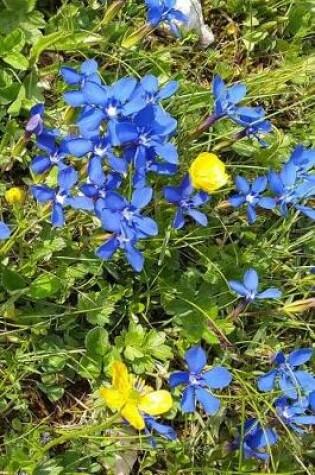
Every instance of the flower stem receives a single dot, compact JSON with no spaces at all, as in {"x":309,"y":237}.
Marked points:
{"x":206,"y":124}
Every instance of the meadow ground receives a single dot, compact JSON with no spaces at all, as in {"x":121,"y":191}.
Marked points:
{"x":66,"y":315}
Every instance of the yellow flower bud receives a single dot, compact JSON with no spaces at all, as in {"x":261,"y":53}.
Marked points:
{"x":15,"y":195}
{"x":207,"y":172}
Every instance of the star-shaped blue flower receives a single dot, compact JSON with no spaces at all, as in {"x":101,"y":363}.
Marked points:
{"x":249,"y":288}
{"x":286,"y":375}
{"x":186,"y":202}
{"x":257,"y":440}
{"x":250,"y":196}
{"x":294,"y":414}
{"x":160,"y":11}
{"x":199,"y":383}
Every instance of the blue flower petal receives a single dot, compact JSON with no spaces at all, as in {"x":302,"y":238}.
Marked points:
{"x":179,"y":219}
{"x":188,"y":402}
{"x":40,"y":164}
{"x":57,"y":216}
{"x":300,"y":356}
{"x":210,"y":403}
{"x":107,"y":250}
{"x":217,"y":378}
{"x":238,"y":287}
{"x":251,"y":280}
{"x":199,"y":217}
{"x":196,"y":359}
{"x":306,"y":380}
{"x":4,"y":230}
{"x":42,"y":193}
{"x":141,"y":197}
{"x":242,"y":185}
{"x":74,"y":98}
{"x":134,"y":257}
{"x":271,"y":293}
{"x":70,"y":76}
{"x":179,"y":378}
{"x":67,"y":178}
{"x":267,"y":381}
{"x":79,"y":147}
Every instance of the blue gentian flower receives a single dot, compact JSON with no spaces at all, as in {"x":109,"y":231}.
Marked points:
{"x":292,"y":381}
{"x":4,"y":231}
{"x":290,"y":190}
{"x":257,"y":440}
{"x":61,"y":196}
{"x":100,"y":147}
{"x":186,"y":203}
{"x":126,"y":240}
{"x":249,"y":288}
{"x":294,"y":414}
{"x":55,"y":154}
{"x":149,"y":130}
{"x":108,"y":103}
{"x":227,"y":100}
{"x":199,"y":383}
{"x":249,"y":195}
{"x":99,"y":184}
{"x":119,"y":214}
{"x":166,"y":431}
{"x":35,"y":123}
{"x":254,"y":127}
{"x":152,"y":93}
{"x":154,"y":166}
{"x":160,"y":11}
{"x":88,"y":72}
{"x":303,"y":159}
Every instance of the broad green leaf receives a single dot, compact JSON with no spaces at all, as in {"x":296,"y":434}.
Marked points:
{"x":12,"y":280}
{"x":44,"y":286}
{"x":16,"y":60}
{"x":96,"y":341}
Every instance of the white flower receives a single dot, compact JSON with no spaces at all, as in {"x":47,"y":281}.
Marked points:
{"x":193,"y":11}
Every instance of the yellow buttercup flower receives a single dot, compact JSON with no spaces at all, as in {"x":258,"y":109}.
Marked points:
{"x":208,"y":172}
{"x":15,"y":195}
{"x":131,"y":398}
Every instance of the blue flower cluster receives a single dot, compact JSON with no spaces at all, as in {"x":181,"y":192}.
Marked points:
{"x":120,"y":128}
{"x":165,"y":11}
{"x":292,"y":187}
{"x":295,"y":407}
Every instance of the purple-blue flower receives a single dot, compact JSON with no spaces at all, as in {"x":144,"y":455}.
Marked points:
{"x":35,"y":124}
{"x":160,"y":11}
{"x":292,"y":381}
{"x":186,"y":202}
{"x":294,"y":414}
{"x":249,"y":288}
{"x":250,"y":196}
{"x":199,"y":383}
{"x":256,"y":440}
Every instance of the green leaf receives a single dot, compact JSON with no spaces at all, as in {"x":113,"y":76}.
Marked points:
{"x":44,"y":286}
{"x":96,"y":341}
{"x":46,"y":43}
{"x":12,"y":280}
{"x":16,"y":60}
{"x":90,"y":366}
{"x":14,"y":41}
{"x":100,"y":305}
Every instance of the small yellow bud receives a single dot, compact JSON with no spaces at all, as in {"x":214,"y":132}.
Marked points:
{"x":15,"y":195}
{"x":208,"y":172}
{"x":299,"y":305}
{"x":232,"y":29}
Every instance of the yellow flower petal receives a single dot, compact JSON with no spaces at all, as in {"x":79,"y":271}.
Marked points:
{"x":208,"y":172}
{"x":131,"y":413}
{"x":114,"y":399}
{"x":122,"y":381}
{"x":15,"y":195}
{"x":156,"y":403}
